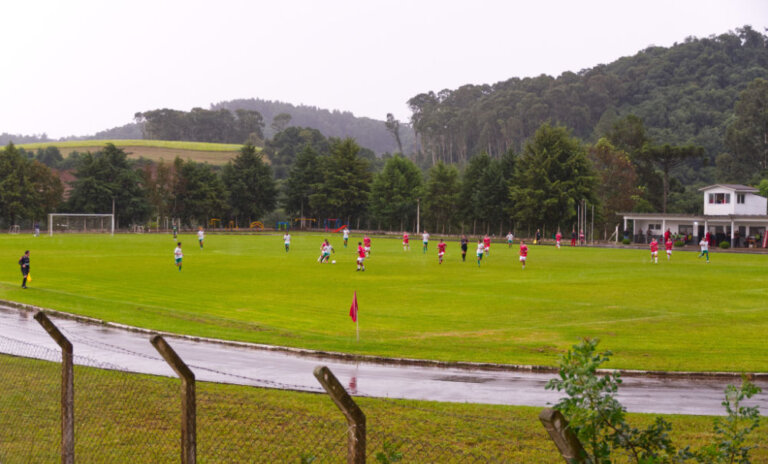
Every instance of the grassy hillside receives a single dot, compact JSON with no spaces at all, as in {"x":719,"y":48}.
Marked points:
{"x":679,"y":315}
{"x":212,"y":153}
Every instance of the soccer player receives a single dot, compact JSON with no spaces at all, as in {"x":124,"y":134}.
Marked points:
{"x":558,"y":237}
{"x":287,"y":241}
{"x":704,"y":244}
{"x":581,"y":238}
{"x":24,"y":263}
{"x":537,"y":240}
{"x":406,"y":243}
{"x":480,"y":251}
{"x":367,"y":244}
{"x":464,"y":243}
{"x":346,"y":236}
{"x":573,"y":237}
{"x":440,"y":251}
{"x":200,"y":237}
{"x":510,"y":239}
{"x":523,"y":253}
{"x":327,"y":249}
{"x":668,"y":245}
{"x":654,"y":251}
{"x":37,"y":229}
{"x":425,"y":240}
{"x":178,"y":255}
{"x":487,"y":244}
{"x":360,"y":256}
{"x":175,"y":231}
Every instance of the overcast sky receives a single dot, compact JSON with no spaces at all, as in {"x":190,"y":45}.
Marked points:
{"x":76,"y":67}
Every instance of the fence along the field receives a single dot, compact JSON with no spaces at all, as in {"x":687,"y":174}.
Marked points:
{"x":127,"y":417}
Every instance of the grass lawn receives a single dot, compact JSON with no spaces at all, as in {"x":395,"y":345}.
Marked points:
{"x":122,"y":417}
{"x":678,"y":315}
{"x":156,"y":150}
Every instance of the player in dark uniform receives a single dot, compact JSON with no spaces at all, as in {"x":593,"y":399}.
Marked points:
{"x":24,"y":263}
{"x":464,"y":242}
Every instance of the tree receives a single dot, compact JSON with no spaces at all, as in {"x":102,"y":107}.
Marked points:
{"x":469,"y":198}
{"x":304,"y":175}
{"x":747,"y":136}
{"x":106,"y":177}
{"x":280,"y":122}
{"x":158,"y":181}
{"x":553,"y":175}
{"x":198,"y":192}
{"x":343,"y":192}
{"x":394,"y":193}
{"x":441,"y":197}
{"x":668,"y":157}
{"x":617,"y":181}
{"x":393,"y":126}
{"x":28,"y":189}
{"x":252,"y":192}
{"x":629,"y":135}
{"x":282,"y":149}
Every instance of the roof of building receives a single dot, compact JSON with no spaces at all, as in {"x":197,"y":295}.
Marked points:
{"x":735,"y":187}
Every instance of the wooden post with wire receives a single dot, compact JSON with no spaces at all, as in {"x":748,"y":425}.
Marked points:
{"x":188,"y":401}
{"x":355,"y":416}
{"x":67,"y":388}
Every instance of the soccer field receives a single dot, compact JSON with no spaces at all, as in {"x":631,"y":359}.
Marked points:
{"x":678,"y":315}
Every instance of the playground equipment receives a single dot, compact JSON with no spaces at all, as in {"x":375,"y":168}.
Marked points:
{"x":14,"y":229}
{"x":332,"y":223}
{"x":282,"y":225}
{"x":256,"y":225}
{"x":232,"y":226}
{"x":214,"y":222}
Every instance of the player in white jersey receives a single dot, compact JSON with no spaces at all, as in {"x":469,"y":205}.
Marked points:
{"x":425,"y":241}
{"x":178,"y":255}
{"x":200,"y":236}
{"x":287,"y":241}
{"x":480,"y":251}
{"x":346,"y":236}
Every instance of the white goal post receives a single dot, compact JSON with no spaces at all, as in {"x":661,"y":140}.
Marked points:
{"x":93,"y":223}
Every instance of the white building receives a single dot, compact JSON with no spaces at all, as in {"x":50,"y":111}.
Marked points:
{"x":732,"y":212}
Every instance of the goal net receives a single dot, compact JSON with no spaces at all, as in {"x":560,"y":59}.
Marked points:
{"x":81,"y":223}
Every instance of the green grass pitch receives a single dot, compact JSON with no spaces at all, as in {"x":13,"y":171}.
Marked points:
{"x":678,"y":315}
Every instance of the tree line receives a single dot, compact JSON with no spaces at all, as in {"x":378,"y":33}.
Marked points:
{"x":540,"y":187}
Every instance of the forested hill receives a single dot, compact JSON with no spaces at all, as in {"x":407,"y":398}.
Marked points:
{"x":685,"y":94}
{"x":369,"y":133}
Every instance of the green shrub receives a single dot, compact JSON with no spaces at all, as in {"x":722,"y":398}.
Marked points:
{"x":599,"y":419}
{"x":725,"y":245}
{"x":626,"y":241}
{"x":679,"y":243}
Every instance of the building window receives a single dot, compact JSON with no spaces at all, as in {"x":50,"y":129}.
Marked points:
{"x":711,"y":198}
{"x":740,"y":198}
{"x":720,"y":198}
{"x":654,"y":226}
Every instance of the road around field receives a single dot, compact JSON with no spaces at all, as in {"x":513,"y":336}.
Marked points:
{"x":129,"y":350}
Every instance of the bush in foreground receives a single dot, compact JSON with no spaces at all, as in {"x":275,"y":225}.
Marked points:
{"x":599,"y":419}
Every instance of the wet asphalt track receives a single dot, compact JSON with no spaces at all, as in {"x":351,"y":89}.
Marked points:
{"x":131,"y":351}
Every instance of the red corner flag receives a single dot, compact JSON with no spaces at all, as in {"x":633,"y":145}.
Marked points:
{"x":353,"y":308}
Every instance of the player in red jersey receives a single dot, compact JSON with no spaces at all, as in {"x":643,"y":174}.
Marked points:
{"x":360,"y":256}
{"x":654,"y":251}
{"x":487,"y":245}
{"x":406,"y":242}
{"x":558,"y":237}
{"x":440,"y":251}
{"x":523,"y":253}
{"x":668,"y":245}
{"x":367,"y":243}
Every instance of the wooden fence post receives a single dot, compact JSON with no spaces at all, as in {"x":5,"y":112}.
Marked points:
{"x":566,"y":441}
{"x":355,"y":416}
{"x":67,"y":388}
{"x":188,"y":402}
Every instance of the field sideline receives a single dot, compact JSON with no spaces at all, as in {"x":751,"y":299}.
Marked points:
{"x":682,"y":315}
